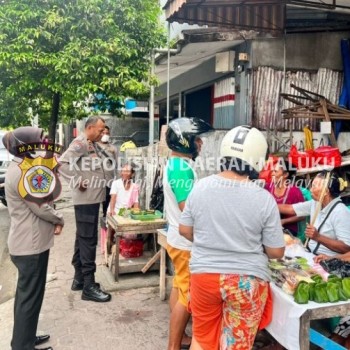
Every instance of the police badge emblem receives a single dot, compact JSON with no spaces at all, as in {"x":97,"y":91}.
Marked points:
{"x":39,"y":182}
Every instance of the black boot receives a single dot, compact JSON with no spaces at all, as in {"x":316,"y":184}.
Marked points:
{"x":77,"y":285}
{"x":41,"y":339}
{"x":78,"y":280}
{"x":94,"y":293}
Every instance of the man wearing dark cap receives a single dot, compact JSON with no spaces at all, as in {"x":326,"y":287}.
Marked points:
{"x":82,"y":165}
{"x":34,"y":222}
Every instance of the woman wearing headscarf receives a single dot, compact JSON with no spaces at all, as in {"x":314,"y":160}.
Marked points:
{"x":32,"y":229}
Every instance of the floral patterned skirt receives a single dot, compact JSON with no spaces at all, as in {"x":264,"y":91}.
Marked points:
{"x":226,"y":309}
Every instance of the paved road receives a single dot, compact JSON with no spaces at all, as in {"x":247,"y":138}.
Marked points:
{"x":134,"y":319}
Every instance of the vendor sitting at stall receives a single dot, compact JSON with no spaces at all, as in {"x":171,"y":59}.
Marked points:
{"x":331,"y":232}
{"x":284,"y":192}
{"x":124,"y":192}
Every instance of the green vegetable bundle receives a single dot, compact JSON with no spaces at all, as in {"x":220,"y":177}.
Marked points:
{"x":301,"y":294}
{"x":334,"y":290}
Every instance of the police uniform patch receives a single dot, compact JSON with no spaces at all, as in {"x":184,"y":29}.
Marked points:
{"x":39,"y":182}
{"x":77,"y":146}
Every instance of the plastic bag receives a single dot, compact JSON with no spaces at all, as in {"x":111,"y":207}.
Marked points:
{"x":346,"y":286}
{"x":266,"y":172}
{"x":301,"y":294}
{"x":328,"y":155}
{"x":321,"y":295}
{"x":332,"y":292}
{"x":301,"y":159}
{"x":336,"y":267}
{"x":312,"y":291}
{"x":131,"y":248}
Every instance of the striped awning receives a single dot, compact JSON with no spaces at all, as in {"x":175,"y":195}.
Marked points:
{"x":260,"y":15}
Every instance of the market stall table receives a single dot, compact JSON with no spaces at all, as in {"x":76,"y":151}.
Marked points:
{"x":162,"y":241}
{"x":123,"y":226}
{"x":290,"y":324}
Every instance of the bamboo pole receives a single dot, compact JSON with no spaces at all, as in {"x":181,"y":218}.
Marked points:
{"x":319,"y":204}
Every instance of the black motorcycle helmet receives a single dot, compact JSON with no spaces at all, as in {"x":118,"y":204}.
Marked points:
{"x":182,"y":133}
{"x":22,"y":136}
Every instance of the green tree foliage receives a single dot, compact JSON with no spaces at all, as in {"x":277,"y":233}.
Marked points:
{"x":56,"y":53}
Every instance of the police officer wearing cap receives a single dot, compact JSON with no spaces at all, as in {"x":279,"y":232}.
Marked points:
{"x":82,"y":165}
{"x":31,"y":236}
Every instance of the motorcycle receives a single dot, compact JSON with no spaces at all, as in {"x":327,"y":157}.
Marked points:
{"x":2,"y":189}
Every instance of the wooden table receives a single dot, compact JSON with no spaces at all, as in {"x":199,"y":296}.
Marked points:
{"x":290,"y":324}
{"x":123,"y":226}
{"x":162,"y":241}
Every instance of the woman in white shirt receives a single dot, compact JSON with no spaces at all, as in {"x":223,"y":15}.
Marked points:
{"x":124,"y":192}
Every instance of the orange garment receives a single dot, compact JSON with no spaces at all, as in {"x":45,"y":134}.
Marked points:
{"x":181,"y":281}
{"x":226,"y":309}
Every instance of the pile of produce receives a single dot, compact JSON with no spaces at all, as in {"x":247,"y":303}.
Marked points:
{"x":288,"y":272}
{"x":138,"y":211}
{"x":296,"y":277}
{"x":135,"y":211}
{"x":319,"y":291}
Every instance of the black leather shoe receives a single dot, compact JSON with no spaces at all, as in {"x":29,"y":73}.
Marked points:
{"x":41,"y":339}
{"x":76,"y":285}
{"x":48,"y":348}
{"x":94,"y":293}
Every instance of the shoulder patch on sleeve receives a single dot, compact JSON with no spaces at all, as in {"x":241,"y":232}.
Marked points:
{"x":78,"y":145}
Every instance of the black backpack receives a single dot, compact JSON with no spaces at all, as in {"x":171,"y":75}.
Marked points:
{"x":157,"y":196}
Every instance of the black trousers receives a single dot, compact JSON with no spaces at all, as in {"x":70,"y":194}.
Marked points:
{"x":86,"y":218}
{"x":32,"y":270}
{"x":105,"y":204}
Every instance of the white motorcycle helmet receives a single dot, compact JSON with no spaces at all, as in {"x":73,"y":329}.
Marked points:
{"x":247,"y":144}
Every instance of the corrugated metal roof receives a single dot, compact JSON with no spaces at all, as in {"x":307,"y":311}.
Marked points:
{"x":272,"y":16}
{"x":263,"y":15}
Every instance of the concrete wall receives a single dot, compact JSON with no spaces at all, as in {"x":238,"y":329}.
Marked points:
{"x":200,"y":76}
{"x":121,"y":127}
{"x":303,"y":51}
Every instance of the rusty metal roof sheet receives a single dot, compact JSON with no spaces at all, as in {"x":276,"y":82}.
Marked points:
{"x":262,"y":15}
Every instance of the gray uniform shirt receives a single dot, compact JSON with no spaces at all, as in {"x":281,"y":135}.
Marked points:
{"x":232,"y":221}
{"x":82,"y":161}
{"x":109,"y":154}
{"x":32,"y":227}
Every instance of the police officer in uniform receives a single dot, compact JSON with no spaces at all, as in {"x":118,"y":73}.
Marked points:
{"x":31,"y":236}
{"x":82,"y":165}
